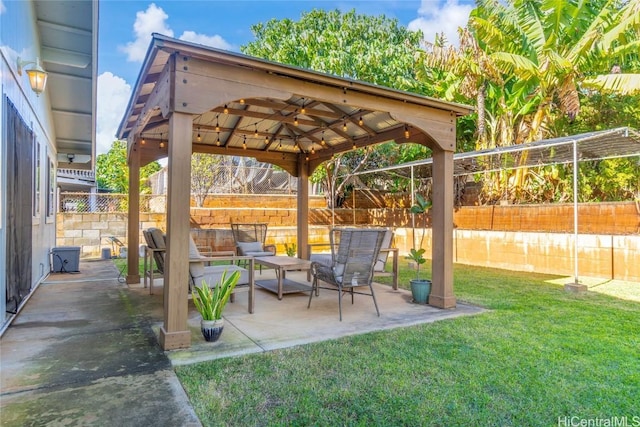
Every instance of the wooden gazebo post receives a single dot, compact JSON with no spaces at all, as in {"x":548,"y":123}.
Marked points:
{"x":133,"y":235}
{"x":303,"y":208}
{"x":174,"y":332}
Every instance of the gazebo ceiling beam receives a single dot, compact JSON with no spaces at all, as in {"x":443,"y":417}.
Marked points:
{"x":264,"y":116}
{"x":286,"y":160}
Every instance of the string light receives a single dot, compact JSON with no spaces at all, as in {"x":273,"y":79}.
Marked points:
{"x":218,"y":140}
{"x":406,"y":132}
{"x":256,"y":132}
{"x":242,"y":101}
{"x":344,"y":126}
{"x":303,"y":110}
{"x":199,"y":138}
{"x":323,"y":141}
{"x":295,"y":121}
{"x":244,"y":143}
{"x":360,"y":122}
{"x":161,"y":142}
{"x":266,"y":140}
{"x":217,"y":125}
{"x":313,"y":150}
{"x":355,"y":146}
{"x":143,"y":141}
{"x":226,"y":109}
{"x":307,"y":158}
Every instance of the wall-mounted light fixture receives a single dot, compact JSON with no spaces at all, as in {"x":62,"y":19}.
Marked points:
{"x":37,"y":75}
{"x":70,"y":157}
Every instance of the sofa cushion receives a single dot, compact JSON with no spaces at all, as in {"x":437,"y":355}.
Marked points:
{"x":247,"y":247}
{"x":212,"y":275}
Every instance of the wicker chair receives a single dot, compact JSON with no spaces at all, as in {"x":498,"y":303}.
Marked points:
{"x":353,"y":263}
{"x":380,"y":269}
{"x":249,"y":240}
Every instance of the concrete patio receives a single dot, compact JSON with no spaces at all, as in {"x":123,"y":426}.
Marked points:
{"x":84,"y":350}
{"x":286,"y":323}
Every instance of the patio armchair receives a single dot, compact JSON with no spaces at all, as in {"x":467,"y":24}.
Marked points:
{"x":202,"y":273}
{"x":354,"y":255}
{"x":199,"y":273}
{"x":154,"y":254}
{"x":380,"y":268}
{"x":250,"y":240}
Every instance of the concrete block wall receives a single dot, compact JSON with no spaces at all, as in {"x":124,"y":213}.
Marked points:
{"x":90,"y":231}
{"x":601,"y":256}
{"x":528,"y":238}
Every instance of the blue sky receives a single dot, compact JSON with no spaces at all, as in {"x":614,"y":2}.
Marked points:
{"x":126,"y":27}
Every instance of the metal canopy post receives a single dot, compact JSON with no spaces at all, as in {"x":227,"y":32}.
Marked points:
{"x":575,"y":286}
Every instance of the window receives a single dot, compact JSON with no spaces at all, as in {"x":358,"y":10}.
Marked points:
{"x":36,"y":178}
{"x":51,"y":186}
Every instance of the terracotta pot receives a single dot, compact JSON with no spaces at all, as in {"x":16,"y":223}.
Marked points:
{"x":211,"y":329}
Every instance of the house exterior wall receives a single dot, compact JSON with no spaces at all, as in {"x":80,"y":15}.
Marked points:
{"x":18,"y":37}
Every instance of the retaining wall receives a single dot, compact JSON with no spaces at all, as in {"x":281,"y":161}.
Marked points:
{"x":527,"y":238}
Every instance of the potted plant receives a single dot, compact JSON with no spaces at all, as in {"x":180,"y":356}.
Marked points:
{"x":291,"y":249}
{"x":210,"y":303}
{"x":420,"y":288}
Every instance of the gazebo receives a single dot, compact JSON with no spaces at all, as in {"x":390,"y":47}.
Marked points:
{"x":192,"y":98}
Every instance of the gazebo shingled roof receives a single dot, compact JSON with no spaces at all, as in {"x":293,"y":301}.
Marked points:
{"x":192,"y":98}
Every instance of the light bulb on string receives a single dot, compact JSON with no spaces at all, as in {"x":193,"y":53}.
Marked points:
{"x":226,"y":109}
{"x":406,"y":132}
{"x":242,"y":101}
{"x":303,"y":110}
{"x":244,"y":143}
{"x":161,"y":142}
{"x":143,"y":141}
{"x":256,"y":131}
{"x":218,"y":140}
{"x":360,"y":121}
{"x":322,"y":141}
{"x":266,"y":140}
{"x":295,"y":121}
{"x":199,"y":138}
{"x":217,"y":125}
{"x":344,"y":126}
{"x":313,"y":150}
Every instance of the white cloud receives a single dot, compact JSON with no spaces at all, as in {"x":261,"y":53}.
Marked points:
{"x":154,"y":20}
{"x":113,"y":96}
{"x":3,"y":9}
{"x":446,"y":18}
{"x":150,"y":21}
{"x":213,"y":41}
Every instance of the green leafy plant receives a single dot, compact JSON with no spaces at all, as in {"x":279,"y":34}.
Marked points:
{"x":291,"y":249}
{"x":420,"y":209}
{"x":210,"y":302}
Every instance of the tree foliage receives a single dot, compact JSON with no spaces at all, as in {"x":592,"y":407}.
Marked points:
{"x":526,"y":62}
{"x":373,"y":49}
{"x":544,"y":68}
{"x":112,"y":171}
{"x":203,"y":175}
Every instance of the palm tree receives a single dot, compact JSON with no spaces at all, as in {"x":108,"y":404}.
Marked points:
{"x":551,"y":48}
{"x":527,"y":61}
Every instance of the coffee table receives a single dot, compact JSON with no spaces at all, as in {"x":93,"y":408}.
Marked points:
{"x":281,"y":264}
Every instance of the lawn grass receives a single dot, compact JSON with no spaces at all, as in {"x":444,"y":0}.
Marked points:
{"x":538,"y":354}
